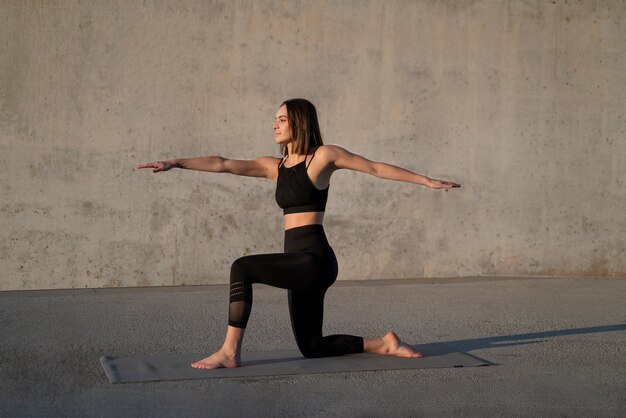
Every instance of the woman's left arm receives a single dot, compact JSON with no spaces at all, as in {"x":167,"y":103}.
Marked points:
{"x":341,"y":158}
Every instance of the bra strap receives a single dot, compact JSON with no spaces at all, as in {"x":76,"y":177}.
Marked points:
{"x":282,"y":161}
{"x":307,"y":166}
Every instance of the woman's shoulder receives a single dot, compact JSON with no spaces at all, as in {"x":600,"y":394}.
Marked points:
{"x":268,"y":166}
{"x":330,"y":152}
{"x":269,"y":163}
{"x":329,"y":149}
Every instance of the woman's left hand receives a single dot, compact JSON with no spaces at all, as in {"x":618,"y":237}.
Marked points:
{"x":441,"y":184}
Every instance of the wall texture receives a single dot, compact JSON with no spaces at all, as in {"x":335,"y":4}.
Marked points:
{"x":523,"y":102}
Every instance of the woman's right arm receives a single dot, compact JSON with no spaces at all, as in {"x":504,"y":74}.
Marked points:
{"x":259,"y":167}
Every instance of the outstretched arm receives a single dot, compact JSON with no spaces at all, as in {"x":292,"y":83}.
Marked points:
{"x":344,"y":159}
{"x":259,"y":167}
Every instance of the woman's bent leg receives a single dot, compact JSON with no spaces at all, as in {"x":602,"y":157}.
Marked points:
{"x":280,"y":270}
{"x":297,"y":271}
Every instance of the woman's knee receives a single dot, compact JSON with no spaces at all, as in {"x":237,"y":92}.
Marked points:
{"x":314,"y":348}
{"x":238,"y":270}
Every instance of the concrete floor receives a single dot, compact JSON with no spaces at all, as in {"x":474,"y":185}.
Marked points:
{"x":559,"y":345}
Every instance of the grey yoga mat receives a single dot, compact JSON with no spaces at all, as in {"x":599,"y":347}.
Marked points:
{"x":274,"y":363}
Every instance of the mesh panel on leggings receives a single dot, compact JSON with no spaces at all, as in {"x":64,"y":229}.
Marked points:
{"x":240,"y":304}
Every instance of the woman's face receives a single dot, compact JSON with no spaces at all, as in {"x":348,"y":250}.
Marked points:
{"x":282,"y":131}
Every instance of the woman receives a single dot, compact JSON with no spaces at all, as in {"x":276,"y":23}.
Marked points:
{"x":308,"y":266}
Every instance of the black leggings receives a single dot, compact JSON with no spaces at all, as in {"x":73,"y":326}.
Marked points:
{"x":307,"y":268}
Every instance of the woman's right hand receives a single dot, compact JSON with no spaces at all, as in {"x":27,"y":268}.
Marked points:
{"x":441,"y":184}
{"x":161,"y":165}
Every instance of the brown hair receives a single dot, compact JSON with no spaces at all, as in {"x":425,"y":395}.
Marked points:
{"x":305,"y":129}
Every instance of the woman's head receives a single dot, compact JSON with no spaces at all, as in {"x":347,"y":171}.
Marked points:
{"x":296,"y":121}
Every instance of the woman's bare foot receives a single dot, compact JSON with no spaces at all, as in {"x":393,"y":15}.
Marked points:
{"x":391,"y":345}
{"x":218,"y":360}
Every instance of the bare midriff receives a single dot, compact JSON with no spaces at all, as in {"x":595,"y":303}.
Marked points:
{"x":294,"y":220}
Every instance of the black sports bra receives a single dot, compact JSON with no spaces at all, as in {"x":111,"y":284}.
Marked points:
{"x":295,"y":192}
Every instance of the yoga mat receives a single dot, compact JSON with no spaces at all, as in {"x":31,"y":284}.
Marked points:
{"x":275,"y":363}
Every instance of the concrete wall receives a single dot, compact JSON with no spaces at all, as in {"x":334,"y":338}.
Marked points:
{"x":523,"y":102}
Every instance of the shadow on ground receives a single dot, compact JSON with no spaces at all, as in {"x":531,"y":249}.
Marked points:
{"x":521,"y":339}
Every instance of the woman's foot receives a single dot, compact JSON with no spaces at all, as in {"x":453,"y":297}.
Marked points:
{"x":218,"y":360}
{"x":391,"y":345}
